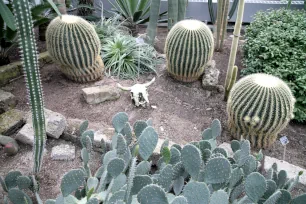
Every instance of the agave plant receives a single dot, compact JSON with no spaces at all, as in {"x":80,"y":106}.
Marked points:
{"x":125,"y":58}
{"x":133,"y":11}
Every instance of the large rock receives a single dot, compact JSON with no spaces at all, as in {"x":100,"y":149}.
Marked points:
{"x":63,"y":152}
{"x":98,"y":136}
{"x":99,"y":94}
{"x":56,"y":124}
{"x":71,"y":132}
{"x":11,"y":121}
{"x":10,"y":145}
{"x":7,"y":101}
{"x":211,"y":77}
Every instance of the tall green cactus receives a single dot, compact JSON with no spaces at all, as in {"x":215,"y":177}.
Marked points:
{"x":176,"y":11}
{"x":259,"y":107}
{"x":29,"y":55}
{"x":154,"y":15}
{"x":231,"y":73}
{"x":189,"y":46}
{"x":222,"y":14}
{"x":74,"y":43}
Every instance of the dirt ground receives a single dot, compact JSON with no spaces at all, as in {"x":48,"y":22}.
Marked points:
{"x":182,"y":112}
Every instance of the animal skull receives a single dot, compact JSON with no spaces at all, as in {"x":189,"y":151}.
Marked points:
{"x":139,"y":93}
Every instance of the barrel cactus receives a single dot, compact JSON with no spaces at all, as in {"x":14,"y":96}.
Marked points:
{"x":73,"y":42}
{"x":189,"y":46}
{"x":259,"y":107}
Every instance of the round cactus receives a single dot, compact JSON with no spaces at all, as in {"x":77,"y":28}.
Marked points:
{"x":189,"y":46}
{"x":259,"y":107}
{"x":73,"y":42}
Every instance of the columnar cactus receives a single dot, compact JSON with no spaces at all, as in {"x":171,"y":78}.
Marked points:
{"x":259,"y":107}
{"x":73,"y":42}
{"x":189,"y":46}
{"x":29,"y":55}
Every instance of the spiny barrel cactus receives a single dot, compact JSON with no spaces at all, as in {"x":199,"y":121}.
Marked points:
{"x":73,"y":42}
{"x":259,"y":107}
{"x":189,"y":46}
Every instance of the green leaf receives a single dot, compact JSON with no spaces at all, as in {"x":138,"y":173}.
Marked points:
{"x":54,"y":7}
{"x":166,"y":155}
{"x":7,"y":16}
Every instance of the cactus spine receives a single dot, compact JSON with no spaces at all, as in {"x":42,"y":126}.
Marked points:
{"x":231,"y":71}
{"x":176,"y":11}
{"x":30,"y":64}
{"x":189,"y":46}
{"x":259,"y":107}
{"x":73,"y":43}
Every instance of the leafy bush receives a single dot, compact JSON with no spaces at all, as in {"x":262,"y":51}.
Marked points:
{"x":276,"y":44}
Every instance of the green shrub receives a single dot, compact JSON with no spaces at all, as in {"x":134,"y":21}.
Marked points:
{"x":276,"y":44}
{"x":127,"y":59}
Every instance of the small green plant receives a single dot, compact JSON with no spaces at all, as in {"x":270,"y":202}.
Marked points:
{"x":189,"y":46}
{"x":125,"y":58}
{"x":275,"y":44}
{"x":258,"y":108}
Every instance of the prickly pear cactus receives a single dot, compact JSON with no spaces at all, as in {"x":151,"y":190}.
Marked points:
{"x":74,"y":43}
{"x":189,"y":46}
{"x":258,"y":108}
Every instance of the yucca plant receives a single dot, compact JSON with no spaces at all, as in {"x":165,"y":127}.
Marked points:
{"x":134,"y":11}
{"x":125,"y":58}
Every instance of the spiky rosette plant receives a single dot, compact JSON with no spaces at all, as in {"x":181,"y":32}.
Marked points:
{"x":259,"y":107}
{"x":73,"y":42}
{"x":189,"y":46}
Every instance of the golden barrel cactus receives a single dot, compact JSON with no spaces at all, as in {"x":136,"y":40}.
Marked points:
{"x":258,"y":108}
{"x":74,"y":43}
{"x":189,"y":46}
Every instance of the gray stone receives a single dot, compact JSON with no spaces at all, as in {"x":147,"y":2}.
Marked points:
{"x":211,"y":77}
{"x":99,"y":94}
{"x":26,"y":134}
{"x":98,"y":136}
{"x":63,"y":152}
{"x":292,"y":170}
{"x":11,"y":121}
{"x":10,"y":145}
{"x":56,"y":123}
{"x":71,"y":132}
{"x":7,"y":101}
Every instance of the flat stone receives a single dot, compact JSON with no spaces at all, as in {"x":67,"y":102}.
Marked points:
{"x":56,"y":123}
{"x":99,"y":94}
{"x":292,"y":170}
{"x":11,"y":121}
{"x":63,"y":152}
{"x":7,"y":101}
{"x":26,"y":134}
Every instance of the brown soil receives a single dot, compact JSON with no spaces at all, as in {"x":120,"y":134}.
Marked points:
{"x":183,"y":112}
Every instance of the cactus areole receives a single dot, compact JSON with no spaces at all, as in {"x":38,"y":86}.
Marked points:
{"x":73,"y":43}
{"x":189,"y":46}
{"x":259,"y":107}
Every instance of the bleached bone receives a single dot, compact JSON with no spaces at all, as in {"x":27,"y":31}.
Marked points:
{"x":139,"y":93}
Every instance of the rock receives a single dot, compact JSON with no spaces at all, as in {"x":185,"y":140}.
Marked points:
{"x":71,"y":132}
{"x":7,"y":101}
{"x":26,"y":134}
{"x":10,"y":145}
{"x":98,"y":136}
{"x":56,"y":123}
{"x":211,"y":77}
{"x":11,"y":121}
{"x":63,"y":152}
{"x":99,"y":94}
